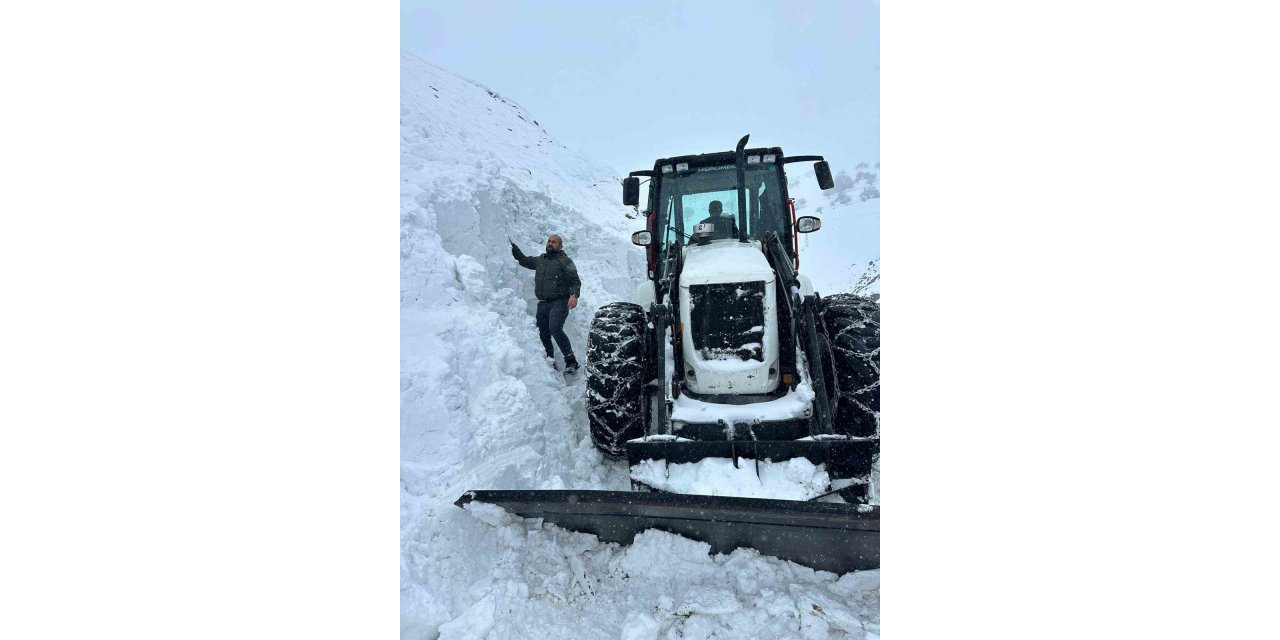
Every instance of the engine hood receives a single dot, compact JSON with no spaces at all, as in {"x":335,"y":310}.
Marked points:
{"x":725,"y":261}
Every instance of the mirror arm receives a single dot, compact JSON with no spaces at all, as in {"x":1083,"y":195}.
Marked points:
{"x":801,"y":159}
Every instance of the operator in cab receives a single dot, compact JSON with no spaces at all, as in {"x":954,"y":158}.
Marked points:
{"x":726,"y":226}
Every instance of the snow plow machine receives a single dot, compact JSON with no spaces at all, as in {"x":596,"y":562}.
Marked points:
{"x":727,"y":352}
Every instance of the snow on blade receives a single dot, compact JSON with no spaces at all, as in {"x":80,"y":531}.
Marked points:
{"x":795,"y":479}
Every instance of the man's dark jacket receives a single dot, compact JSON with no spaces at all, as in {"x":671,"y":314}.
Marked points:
{"x":554,"y":274}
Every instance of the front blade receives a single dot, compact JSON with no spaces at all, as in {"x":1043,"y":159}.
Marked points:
{"x":822,"y":535}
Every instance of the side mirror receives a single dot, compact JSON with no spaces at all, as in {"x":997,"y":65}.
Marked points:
{"x":631,"y":191}
{"x":641,"y":238}
{"x":823,"y":171}
{"x":808,"y":224}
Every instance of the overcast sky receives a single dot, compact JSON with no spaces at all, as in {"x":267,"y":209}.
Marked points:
{"x":627,"y":83}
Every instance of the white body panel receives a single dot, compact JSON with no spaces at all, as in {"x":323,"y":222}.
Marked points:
{"x":721,"y":262}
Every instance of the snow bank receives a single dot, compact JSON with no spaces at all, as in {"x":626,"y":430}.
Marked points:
{"x":795,"y":479}
{"x":480,"y":408}
{"x":551,"y":583}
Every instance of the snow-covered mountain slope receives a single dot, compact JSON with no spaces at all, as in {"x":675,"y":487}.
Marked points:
{"x":835,"y":256}
{"x":480,"y":408}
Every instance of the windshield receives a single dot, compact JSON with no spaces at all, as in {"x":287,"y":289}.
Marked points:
{"x":689,"y":198}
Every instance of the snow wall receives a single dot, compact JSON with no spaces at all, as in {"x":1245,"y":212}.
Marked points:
{"x":480,"y":408}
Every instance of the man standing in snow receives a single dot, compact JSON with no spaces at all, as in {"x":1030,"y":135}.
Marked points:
{"x":556,"y":284}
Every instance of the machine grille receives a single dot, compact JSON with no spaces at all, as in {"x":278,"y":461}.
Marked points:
{"x":728,"y":320}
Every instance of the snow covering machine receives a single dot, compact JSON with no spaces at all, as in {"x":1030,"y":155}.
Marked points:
{"x":728,"y":352}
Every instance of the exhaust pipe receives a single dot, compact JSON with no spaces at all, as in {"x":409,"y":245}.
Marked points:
{"x":742,"y":188}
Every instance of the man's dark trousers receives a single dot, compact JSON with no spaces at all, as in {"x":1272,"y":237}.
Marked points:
{"x":551,"y":317}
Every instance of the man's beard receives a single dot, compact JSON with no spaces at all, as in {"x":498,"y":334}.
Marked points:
{"x":550,"y":249}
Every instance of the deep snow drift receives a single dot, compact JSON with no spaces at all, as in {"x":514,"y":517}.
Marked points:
{"x":480,"y":408}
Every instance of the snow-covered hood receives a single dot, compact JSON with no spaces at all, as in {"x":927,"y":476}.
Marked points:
{"x":725,"y":261}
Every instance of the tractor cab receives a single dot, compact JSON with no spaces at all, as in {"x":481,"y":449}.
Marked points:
{"x":700,"y":203}
{"x":727,"y":196}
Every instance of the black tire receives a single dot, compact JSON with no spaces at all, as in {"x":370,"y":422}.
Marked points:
{"x":615,"y":376}
{"x":852,"y":323}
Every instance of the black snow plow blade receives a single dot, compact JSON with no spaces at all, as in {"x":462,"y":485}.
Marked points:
{"x":823,"y":535}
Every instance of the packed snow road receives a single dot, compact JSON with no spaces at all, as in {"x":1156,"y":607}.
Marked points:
{"x":480,"y":407}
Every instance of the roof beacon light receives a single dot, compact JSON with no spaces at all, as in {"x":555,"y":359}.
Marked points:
{"x":753,"y":159}
{"x":683,"y":166}
{"x":772,"y":157}
{"x":666,"y":168}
